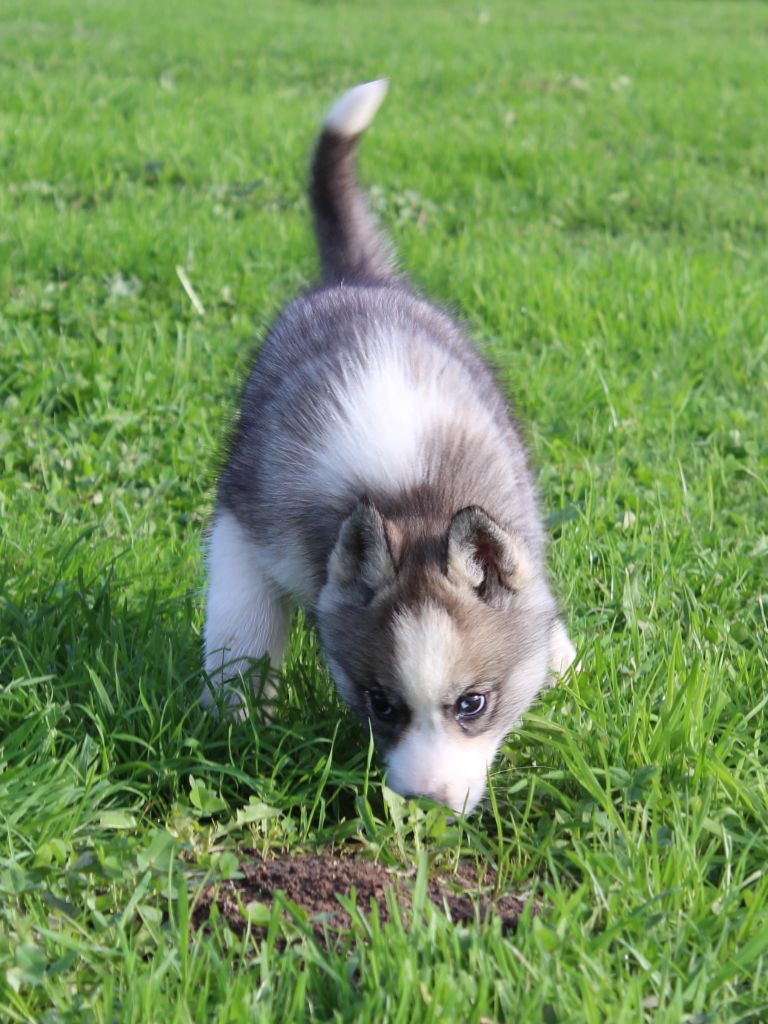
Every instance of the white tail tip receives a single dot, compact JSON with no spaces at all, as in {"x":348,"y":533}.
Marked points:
{"x":354,"y":111}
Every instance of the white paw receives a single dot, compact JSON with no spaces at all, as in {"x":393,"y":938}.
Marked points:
{"x":562,"y":653}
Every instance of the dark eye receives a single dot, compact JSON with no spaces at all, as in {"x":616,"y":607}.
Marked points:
{"x":470,"y":705}
{"x":381,"y":705}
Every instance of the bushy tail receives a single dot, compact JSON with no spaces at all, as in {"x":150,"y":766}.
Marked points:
{"x":351,"y":248}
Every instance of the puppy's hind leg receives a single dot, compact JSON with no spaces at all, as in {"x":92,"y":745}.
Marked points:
{"x":246,"y":617}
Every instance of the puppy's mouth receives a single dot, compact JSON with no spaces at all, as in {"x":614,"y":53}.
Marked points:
{"x":443,"y":796}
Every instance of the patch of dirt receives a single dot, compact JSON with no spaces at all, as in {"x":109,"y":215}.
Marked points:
{"x":314,"y":882}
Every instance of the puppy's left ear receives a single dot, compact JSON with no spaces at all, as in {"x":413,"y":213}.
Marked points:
{"x":490,"y":559}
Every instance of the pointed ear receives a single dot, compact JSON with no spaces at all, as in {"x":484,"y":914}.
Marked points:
{"x":362,"y":553}
{"x":487,"y":557}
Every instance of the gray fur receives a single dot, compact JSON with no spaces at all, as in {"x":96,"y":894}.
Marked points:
{"x":351,"y":248}
{"x":297,"y":383}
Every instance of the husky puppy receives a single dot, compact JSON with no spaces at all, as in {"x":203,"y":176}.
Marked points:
{"x":376,"y":479}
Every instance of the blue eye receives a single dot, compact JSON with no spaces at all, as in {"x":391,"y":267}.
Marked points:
{"x":470,"y":705}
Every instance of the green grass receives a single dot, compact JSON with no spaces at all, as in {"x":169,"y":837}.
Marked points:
{"x":585,"y":182}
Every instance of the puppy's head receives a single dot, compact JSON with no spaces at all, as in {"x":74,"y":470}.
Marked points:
{"x":440,"y":638}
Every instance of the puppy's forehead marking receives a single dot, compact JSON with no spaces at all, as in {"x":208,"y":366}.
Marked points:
{"x":425,"y":647}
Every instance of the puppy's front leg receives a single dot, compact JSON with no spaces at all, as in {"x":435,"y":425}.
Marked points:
{"x":246,"y":617}
{"x":562,"y":653}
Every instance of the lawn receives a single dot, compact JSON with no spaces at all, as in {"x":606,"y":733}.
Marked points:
{"x":583,"y":182}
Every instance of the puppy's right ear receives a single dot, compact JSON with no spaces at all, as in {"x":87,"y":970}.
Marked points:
{"x":362,"y":554}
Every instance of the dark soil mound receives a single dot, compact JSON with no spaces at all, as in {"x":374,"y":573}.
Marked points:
{"x":314,"y":882}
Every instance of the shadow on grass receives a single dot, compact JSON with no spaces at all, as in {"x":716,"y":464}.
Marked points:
{"x":115,"y":665}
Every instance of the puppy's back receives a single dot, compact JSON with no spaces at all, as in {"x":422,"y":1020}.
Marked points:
{"x":362,"y":388}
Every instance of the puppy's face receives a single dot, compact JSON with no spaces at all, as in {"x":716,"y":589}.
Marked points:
{"x":440,"y":641}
